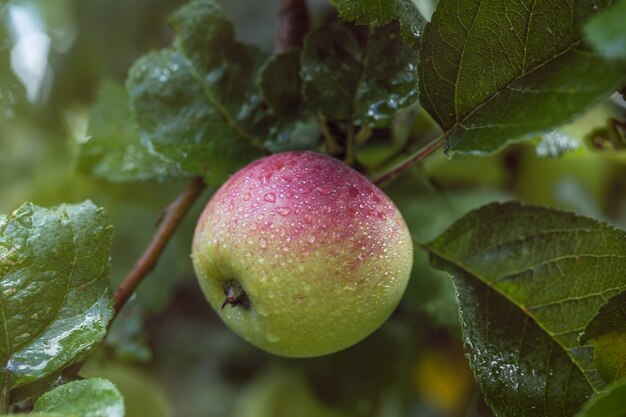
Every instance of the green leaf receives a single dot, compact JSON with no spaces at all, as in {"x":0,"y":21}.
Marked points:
{"x":11,"y":91}
{"x":359,"y":75}
{"x":606,"y":32}
{"x":54,"y":272}
{"x":30,"y":392}
{"x":40,"y":415}
{"x":197,"y":104}
{"x":380,"y":13}
{"x":280,"y":83}
{"x":497,"y":72}
{"x":611,"y":403}
{"x":94,"y":397}
{"x":529,"y":279}
{"x":610,"y":318}
{"x":113,"y":150}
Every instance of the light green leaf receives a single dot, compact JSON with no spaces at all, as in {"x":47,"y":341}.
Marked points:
{"x":495,"y":72}
{"x":358,"y":74}
{"x":606,"y":32}
{"x":611,"y":403}
{"x":529,"y":279}
{"x":113,"y":150}
{"x":197,"y":104}
{"x":94,"y":397}
{"x":54,"y":296}
{"x":380,"y":13}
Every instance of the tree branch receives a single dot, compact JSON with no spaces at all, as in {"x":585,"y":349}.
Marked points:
{"x":293,"y":24}
{"x":410,"y":161}
{"x":172,"y":217}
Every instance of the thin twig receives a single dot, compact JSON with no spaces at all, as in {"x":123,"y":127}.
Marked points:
{"x":5,"y":395}
{"x":293,"y":24}
{"x":350,"y":145}
{"x":410,"y":161}
{"x":332,"y":147}
{"x":174,"y":214}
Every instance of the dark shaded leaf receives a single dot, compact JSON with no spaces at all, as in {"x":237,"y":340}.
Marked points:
{"x":495,"y":72}
{"x":197,"y":104}
{"x":113,"y":150}
{"x":358,"y":75}
{"x":280,"y":83}
{"x":54,"y":271}
{"x":529,"y":279}
{"x":606,"y":32}
{"x":94,"y":397}
{"x":610,"y":318}
{"x":380,"y":13}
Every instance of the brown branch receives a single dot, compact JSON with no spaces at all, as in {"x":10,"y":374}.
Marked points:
{"x":172,"y":217}
{"x":410,"y":161}
{"x":293,"y":24}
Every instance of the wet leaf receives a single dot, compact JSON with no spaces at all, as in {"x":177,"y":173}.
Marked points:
{"x":94,"y":397}
{"x":529,"y":279}
{"x":113,"y":150}
{"x":54,"y":272}
{"x":280,"y":83}
{"x":610,"y":318}
{"x":611,"y":403}
{"x":197,"y":103}
{"x":380,"y":13}
{"x":606,"y":32}
{"x":495,"y":73}
{"x":358,"y":75}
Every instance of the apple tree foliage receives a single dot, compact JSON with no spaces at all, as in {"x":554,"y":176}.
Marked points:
{"x":541,"y":293}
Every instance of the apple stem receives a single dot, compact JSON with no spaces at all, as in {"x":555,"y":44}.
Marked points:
{"x":171,"y":219}
{"x":411,"y":160}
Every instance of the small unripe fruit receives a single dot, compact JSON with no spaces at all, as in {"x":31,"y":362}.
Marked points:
{"x":609,"y":356}
{"x":301,"y":255}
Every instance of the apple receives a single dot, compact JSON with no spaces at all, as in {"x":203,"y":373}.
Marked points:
{"x":301,"y":255}
{"x":609,"y":355}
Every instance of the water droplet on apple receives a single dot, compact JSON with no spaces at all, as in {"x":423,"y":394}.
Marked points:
{"x":254,"y":226}
{"x":270,"y":197}
{"x":246,"y":196}
{"x":308,"y":219}
{"x":350,"y":287}
{"x":283,"y":211}
{"x":353,"y":192}
{"x":262,"y":243}
{"x":323,"y":189}
{"x":310,"y":239}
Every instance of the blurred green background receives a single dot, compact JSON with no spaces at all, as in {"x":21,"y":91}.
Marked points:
{"x":168,"y":353}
